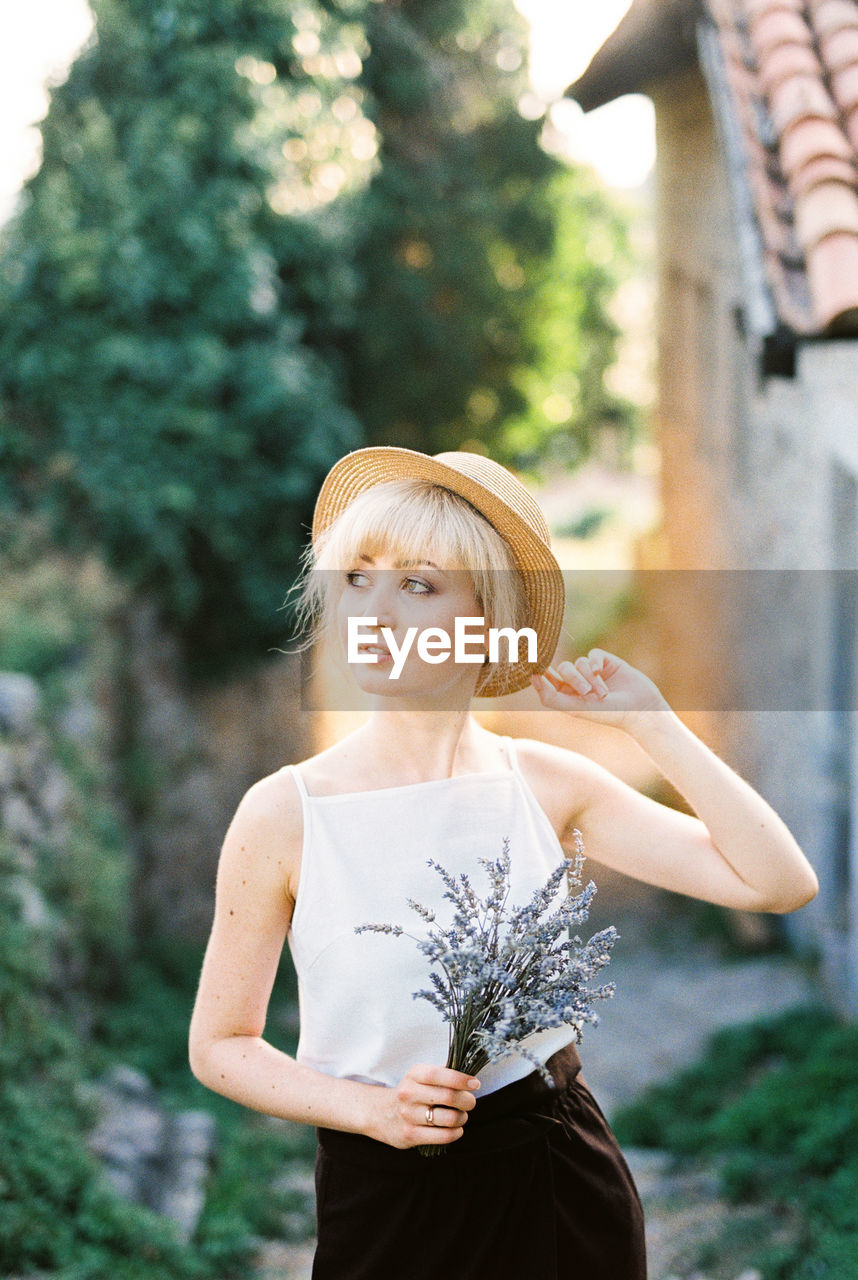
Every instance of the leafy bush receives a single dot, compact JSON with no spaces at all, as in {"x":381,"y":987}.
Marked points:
{"x":194,"y":323}
{"x":485,"y":264}
{"x":56,"y":1212}
{"x":160,"y":400}
{"x":52,"y":606}
{"x":777,"y":1102}
{"x":145,"y":1024}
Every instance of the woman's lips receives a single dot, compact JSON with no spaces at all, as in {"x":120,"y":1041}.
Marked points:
{"x":379,"y":652}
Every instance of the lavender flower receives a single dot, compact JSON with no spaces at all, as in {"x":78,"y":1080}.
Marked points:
{"x":503,"y":973}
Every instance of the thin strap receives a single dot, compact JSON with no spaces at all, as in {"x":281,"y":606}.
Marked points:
{"x":305,"y":873}
{"x":511,"y":754}
{"x":299,"y":781}
{"x":543,"y":817}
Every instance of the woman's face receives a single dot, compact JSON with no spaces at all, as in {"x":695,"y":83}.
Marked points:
{"x":407,"y":600}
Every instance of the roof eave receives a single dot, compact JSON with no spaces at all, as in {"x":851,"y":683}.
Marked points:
{"x":654,"y":40}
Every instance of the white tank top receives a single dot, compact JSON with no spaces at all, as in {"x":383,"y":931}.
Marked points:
{"x":364,"y":855}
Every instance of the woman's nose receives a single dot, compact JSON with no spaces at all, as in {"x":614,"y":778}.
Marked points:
{"x":380,"y":602}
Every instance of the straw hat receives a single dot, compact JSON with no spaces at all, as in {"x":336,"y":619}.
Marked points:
{"x":496,"y":494}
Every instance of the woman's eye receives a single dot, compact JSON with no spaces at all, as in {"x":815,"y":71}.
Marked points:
{"x":413,"y":586}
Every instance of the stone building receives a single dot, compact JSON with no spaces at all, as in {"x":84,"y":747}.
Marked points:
{"x":757,"y":412}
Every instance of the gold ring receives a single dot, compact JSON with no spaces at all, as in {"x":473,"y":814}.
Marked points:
{"x":430,"y":1115}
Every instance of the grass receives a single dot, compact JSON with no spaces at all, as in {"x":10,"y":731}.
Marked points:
{"x":775,"y":1105}
{"x":57,"y":1215}
{"x":146,"y":1026}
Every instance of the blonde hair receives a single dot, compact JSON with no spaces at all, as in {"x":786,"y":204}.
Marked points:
{"x":414,"y":520}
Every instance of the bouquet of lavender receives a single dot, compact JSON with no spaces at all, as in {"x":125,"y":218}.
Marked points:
{"x":503,"y":972}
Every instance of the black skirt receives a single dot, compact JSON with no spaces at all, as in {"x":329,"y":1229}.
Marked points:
{"x":536,"y":1189}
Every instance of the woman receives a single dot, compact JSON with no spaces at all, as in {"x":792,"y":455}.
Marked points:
{"x":532,"y":1183}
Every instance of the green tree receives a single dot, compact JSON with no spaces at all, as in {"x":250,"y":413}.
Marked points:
{"x":455,"y":204}
{"x":268,"y":231}
{"x":478,"y":300}
{"x":563,"y":388}
{"x":161,"y":398}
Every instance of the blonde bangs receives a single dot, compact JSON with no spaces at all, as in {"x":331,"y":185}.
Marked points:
{"x":409,"y":519}
{"x":415,"y":521}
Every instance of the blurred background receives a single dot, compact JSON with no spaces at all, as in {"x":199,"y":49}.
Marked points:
{"x":240,"y":238}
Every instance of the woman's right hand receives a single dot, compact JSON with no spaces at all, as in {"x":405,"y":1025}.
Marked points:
{"x":425,"y":1091}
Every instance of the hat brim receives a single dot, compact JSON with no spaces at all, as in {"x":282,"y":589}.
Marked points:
{"x":541,"y":574}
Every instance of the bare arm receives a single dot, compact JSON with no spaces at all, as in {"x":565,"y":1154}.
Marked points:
{"x":737,"y":852}
{"x":256,"y":881}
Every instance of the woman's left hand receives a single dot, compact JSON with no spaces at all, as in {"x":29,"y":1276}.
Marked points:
{"x":600,"y":687}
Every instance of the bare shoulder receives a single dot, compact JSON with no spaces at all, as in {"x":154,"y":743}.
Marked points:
{"x":263,"y":840}
{"x":557,"y":764}
{"x":563,"y":780}
{"x":274,"y":798}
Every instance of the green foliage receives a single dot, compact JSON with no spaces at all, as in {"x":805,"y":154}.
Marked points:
{"x":777,"y":1101}
{"x":63,"y":932}
{"x":78,"y":995}
{"x":573,"y":334}
{"x":586,"y":525}
{"x":31,"y":644}
{"x":56,"y":1212}
{"x":263,"y":234}
{"x":145,"y":1024}
{"x":155,"y":990}
{"x":83,"y":869}
{"x":161,"y":400}
{"x":50,"y":605}
{"x":479,"y":297}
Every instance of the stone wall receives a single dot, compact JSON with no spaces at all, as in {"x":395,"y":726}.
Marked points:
{"x":149,"y":1154}
{"x":177,"y":757}
{"x":799,"y":512}
{"x":759,"y":475}
{"x":696,"y":397}
{"x":193,"y":753}
{"x":35,"y":796}
{"x":697,"y":339}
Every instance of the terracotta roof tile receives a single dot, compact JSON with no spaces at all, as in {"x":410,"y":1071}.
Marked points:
{"x":832,"y":272}
{"x":808,"y":140}
{"x":792,"y":70}
{"x":774,"y":26}
{"x":787,"y":60}
{"x":753,"y":9}
{"x":840,"y":48}
{"x":821,"y":169}
{"x":784,"y":75}
{"x":800,"y":97}
{"x":823,"y":210}
{"x":830,"y":16}
{"x":844,"y":85}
